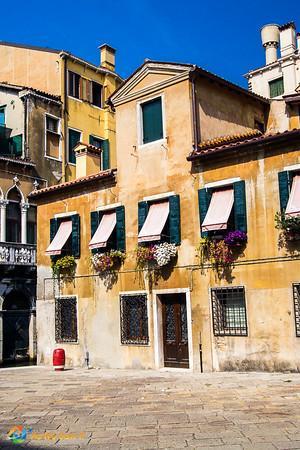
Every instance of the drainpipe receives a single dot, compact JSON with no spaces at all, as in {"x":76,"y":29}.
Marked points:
{"x":64,"y":115}
{"x":195,"y":111}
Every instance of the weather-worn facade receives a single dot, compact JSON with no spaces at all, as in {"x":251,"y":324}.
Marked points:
{"x":195,"y":162}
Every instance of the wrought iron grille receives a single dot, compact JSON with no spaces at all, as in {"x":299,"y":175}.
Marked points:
{"x":296,"y":292}
{"x":134,"y":319}
{"x":229,"y":311}
{"x":66,"y":319}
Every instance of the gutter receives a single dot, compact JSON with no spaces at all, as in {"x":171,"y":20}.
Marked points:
{"x":195,"y":111}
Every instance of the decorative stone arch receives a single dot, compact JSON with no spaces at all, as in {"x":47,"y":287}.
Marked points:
{"x":15,"y":186}
{"x":1,"y":194}
{"x":24,"y":205}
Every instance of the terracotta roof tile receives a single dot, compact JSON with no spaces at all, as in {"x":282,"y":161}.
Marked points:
{"x":243,"y":141}
{"x":106,"y":174}
{"x":216,"y":142}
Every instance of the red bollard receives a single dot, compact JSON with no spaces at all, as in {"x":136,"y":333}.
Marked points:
{"x":59,"y":359}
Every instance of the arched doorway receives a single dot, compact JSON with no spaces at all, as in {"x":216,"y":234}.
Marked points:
{"x":16,"y":321}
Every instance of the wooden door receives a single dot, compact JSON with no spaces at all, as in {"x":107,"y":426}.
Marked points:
{"x":175,"y":333}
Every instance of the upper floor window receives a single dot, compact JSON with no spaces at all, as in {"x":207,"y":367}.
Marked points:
{"x":13,"y":216}
{"x":74,"y":84}
{"x":289,"y":193}
{"x":96,"y":94}
{"x":96,"y":142}
{"x":73,"y":139}
{"x":276,"y":87}
{"x":2,"y":116}
{"x":223,"y":209}
{"x":159,"y":221}
{"x":52,"y":137}
{"x":108,"y":229}
{"x":64,"y":236}
{"x":152,"y":120}
{"x":31,"y":225}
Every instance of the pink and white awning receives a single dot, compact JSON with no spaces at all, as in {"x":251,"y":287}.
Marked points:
{"x":293,"y":206}
{"x":219,"y":210}
{"x":62,"y":235}
{"x":104,"y":230}
{"x":155,"y":222}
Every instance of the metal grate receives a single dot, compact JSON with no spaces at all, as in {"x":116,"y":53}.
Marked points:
{"x":134,"y":319}
{"x":229,"y":311}
{"x":66,"y":319}
{"x":296,"y":293}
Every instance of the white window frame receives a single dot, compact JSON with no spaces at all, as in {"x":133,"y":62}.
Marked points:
{"x":161,"y":141}
{"x":79,"y":131}
{"x":58,"y":133}
{"x":77,"y":319}
{"x":68,"y":85}
{"x":5,"y":113}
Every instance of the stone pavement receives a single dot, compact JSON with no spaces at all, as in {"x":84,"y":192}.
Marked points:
{"x":110,"y":409}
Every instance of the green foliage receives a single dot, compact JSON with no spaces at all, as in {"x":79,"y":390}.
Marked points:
{"x":289,"y":224}
{"x":105,"y":262}
{"x":64,"y":267}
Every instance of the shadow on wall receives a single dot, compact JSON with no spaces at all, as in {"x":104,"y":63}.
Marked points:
{"x":248,"y":365}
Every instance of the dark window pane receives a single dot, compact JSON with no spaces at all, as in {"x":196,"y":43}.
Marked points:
{"x":134,"y":319}
{"x":152,"y":120}
{"x":66,"y":319}
{"x":31,"y":225}
{"x":13,"y":222}
{"x":74,"y":84}
{"x":229,"y":311}
{"x":74,"y":138}
{"x":96,"y":94}
{"x":96,"y":142}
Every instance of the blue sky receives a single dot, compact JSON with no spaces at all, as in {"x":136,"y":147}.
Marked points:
{"x":221,"y":36}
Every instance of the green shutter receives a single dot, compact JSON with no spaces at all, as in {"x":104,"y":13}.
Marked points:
{"x":142,"y":214}
{"x":240,"y":210}
{"x":204,"y":197}
{"x":76,"y":235}
{"x":121,"y":234}
{"x":53,"y":228}
{"x":17,"y":147}
{"x":276,"y":87}
{"x":174,"y":219}
{"x":105,"y":155}
{"x":74,"y":138}
{"x":152,"y":120}
{"x":94,"y":222}
{"x":284,"y":189}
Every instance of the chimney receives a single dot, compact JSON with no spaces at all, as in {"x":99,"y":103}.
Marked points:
{"x":270,"y":41}
{"x":88,"y":160}
{"x":287,"y":39}
{"x":107,"y":57}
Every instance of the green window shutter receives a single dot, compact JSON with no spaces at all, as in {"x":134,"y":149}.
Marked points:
{"x":284,"y":189}
{"x":204,"y":197}
{"x":142,"y":214}
{"x":174,"y":220}
{"x":240,"y":210}
{"x":121,"y":234}
{"x":276,"y":87}
{"x":74,"y":138}
{"x":17,"y":147}
{"x":152,"y":120}
{"x":105,"y":155}
{"x":76,"y":235}
{"x":53,"y":228}
{"x":94,"y":222}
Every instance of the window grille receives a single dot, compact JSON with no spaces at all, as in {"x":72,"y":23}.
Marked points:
{"x":296,"y":292}
{"x":134,"y":319}
{"x":229,"y":311}
{"x":66,"y":319}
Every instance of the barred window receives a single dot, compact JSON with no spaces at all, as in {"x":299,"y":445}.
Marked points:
{"x":66,"y":319}
{"x":134,"y":319}
{"x":296,"y":292}
{"x":229,"y":311}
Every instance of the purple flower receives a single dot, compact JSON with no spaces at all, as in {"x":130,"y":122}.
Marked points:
{"x":235,"y":238}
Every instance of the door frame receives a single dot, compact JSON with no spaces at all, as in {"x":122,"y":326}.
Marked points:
{"x":158,"y":329}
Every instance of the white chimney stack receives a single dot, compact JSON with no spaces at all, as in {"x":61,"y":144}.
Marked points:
{"x":287,"y":39}
{"x":270,"y":41}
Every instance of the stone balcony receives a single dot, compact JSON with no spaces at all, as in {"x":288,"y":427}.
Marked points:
{"x":17,"y":254}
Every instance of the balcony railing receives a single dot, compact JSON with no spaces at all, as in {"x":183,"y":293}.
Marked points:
{"x":17,"y":254}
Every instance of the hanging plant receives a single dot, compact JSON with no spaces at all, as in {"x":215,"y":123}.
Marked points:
{"x":108,"y":261}
{"x":64,"y":267}
{"x":155,"y":256}
{"x":290,"y":226}
{"x":236,"y":238}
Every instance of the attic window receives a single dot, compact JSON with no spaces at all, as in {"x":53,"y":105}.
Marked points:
{"x":152,"y":122}
{"x":96,"y":94}
{"x":74,"y":85}
{"x":276,"y":87}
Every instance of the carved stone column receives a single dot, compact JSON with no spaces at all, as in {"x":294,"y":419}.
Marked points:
{"x":24,"y":209}
{"x":3,"y":204}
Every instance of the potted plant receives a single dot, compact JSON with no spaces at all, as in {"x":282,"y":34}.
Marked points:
{"x":107,"y":261}
{"x":155,"y":256}
{"x":64,"y":267}
{"x":236,"y":238}
{"x":290,"y":226}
